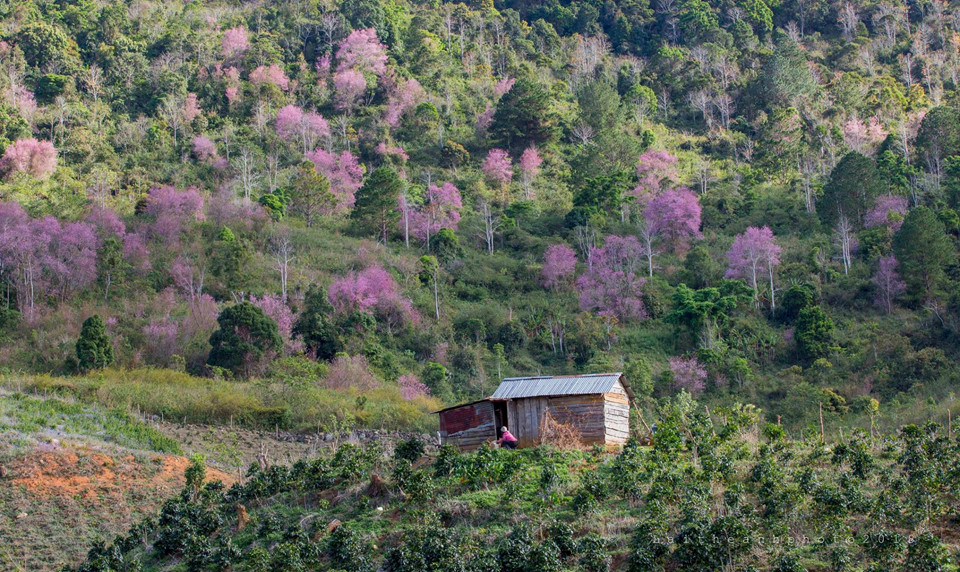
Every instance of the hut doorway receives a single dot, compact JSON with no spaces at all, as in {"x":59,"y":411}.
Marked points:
{"x":500,"y":416}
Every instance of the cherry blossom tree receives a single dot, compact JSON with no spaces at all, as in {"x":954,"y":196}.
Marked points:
{"x":671,"y":217}
{"x":863,"y":137}
{"x":372,"y":290}
{"x":688,"y":374}
{"x":305,"y":127}
{"x":394,"y":151}
{"x":656,"y":170}
{"x":405,"y":98}
{"x":611,"y":286}
{"x":106,"y":221}
{"x":204,"y":149}
{"x":22,"y":99}
{"x":36,"y":158}
{"x":888,"y":210}
{"x":348,"y":85}
{"x":530,"y":162}
{"x":753,"y":252}
{"x":351,"y":372}
{"x":270,"y":75}
{"x":888,"y":283}
{"x":485,"y":119}
{"x":559,"y":264}
{"x":362,"y":51}
{"x":171,"y":210}
{"x":274,"y":306}
{"x":498,"y":167}
{"x":411,"y":387}
{"x":344,"y":173}
{"x":234,"y":43}
{"x":191,"y":108}
{"x":440,"y":209}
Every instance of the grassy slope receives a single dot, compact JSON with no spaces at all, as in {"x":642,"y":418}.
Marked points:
{"x":75,"y":474}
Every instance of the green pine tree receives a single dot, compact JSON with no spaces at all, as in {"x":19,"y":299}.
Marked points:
{"x":94,"y":349}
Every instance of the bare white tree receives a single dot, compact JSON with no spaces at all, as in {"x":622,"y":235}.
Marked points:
{"x":283,"y":255}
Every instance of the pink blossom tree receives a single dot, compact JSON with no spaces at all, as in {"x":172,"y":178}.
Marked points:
{"x":530,"y":162}
{"x":36,"y":158}
{"x":887,"y":282}
{"x":204,"y":149}
{"x":671,"y":217}
{"x":612,"y":286}
{"x":348,"y":86}
{"x":305,"y":127}
{"x":235,"y":42}
{"x":270,"y":75}
{"x":372,"y":290}
{"x":485,"y":119}
{"x":656,"y":171}
{"x":441,"y":209}
{"x":160,"y":341}
{"x":503,"y":86}
{"x":888,"y":210}
{"x":362,"y":51}
{"x":191,"y":108}
{"x":171,"y":210}
{"x":498,"y":167}
{"x":22,"y":99}
{"x":863,"y":137}
{"x":106,"y":221}
{"x":394,"y":151}
{"x":405,"y":98}
{"x":274,"y":306}
{"x":411,"y":387}
{"x":344,"y":173}
{"x":688,"y":374}
{"x":753,"y":252}
{"x":559,"y":264}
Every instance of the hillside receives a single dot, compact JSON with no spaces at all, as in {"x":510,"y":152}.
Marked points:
{"x":71,"y":475}
{"x":223,"y":220}
{"x":712,"y":494}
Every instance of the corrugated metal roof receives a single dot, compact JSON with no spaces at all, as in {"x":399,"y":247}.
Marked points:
{"x":518,"y":387}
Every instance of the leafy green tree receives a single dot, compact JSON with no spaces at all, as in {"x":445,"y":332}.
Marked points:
{"x":435,"y":377}
{"x":523,"y":116}
{"x":110,"y":263}
{"x":924,"y":251}
{"x":94,"y":349}
{"x":315,"y":325}
{"x":376,"y":206}
{"x":937,"y":139}
{"x":704,"y":311}
{"x":48,"y":47}
{"x":813,"y":332}
{"x":246,"y":341}
{"x":853,"y":185}
{"x":786,"y":79}
{"x":309,"y":194}
{"x":229,"y":256}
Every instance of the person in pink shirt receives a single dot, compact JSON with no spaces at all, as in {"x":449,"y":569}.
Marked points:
{"x":507,"y":440}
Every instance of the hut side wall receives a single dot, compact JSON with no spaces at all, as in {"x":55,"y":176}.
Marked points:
{"x":616,"y":413}
{"x":469,"y":426}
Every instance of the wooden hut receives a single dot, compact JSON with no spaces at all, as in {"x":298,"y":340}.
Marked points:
{"x":595,"y":406}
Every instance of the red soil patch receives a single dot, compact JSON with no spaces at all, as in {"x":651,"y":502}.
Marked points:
{"x":80,"y":473}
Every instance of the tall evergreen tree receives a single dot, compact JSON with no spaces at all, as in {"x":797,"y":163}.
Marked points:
{"x":924,"y":251}
{"x":315,"y":324}
{"x":853,"y":185}
{"x":522,"y":116}
{"x":376,"y":206}
{"x":94,"y":349}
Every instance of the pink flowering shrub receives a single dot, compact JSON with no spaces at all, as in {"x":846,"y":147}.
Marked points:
{"x":887,"y":210}
{"x":688,"y":374}
{"x":373,"y":291}
{"x":411,"y":387}
{"x":559,"y":264}
{"x":204,"y":149}
{"x":37,"y":158}
{"x":274,"y":307}
{"x":351,"y":372}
